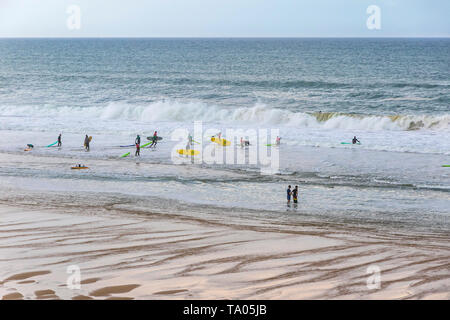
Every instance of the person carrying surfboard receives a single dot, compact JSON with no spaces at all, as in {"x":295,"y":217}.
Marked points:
{"x":86,"y":142}
{"x":154,"y":139}
{"x":59,"y":140}
{"x":354,"y":140}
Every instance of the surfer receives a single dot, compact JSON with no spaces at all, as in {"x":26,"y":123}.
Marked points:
{"x":289,"y":193}
{"x":86,"y":143}
{"x":354,"y":140}
{"x":138,"y":140}
{"x":189,"y":142}
{"x":154,"y":139}
{"x":295,"y":194}
{"x":277,"y":141}
{"x":244,"y":142}
{"x":59,"y":140}
{"x":138,"y":149}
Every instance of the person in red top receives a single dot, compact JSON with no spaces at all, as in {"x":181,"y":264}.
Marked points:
{"x":138,"y":150}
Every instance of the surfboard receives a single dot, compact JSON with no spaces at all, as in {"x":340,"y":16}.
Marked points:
{"x":52,"y":144}
{"x":28,"y":149}
{"x":446,"y":165}
{"x":131,"y":145}
{"x":79,"y":168}
{"x":221,"y":142}
{"x":144,"y":145}
{"x":188,"y":152}
{"x":350,"y":143}
{"x":125,"y":155}
{"x":157,"y":138}
{"x":90,"y":139}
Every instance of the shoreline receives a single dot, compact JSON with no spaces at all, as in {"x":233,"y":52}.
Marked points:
{"x":159,"y":256}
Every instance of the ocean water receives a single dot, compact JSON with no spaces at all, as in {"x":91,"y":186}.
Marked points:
{"x":393,"y":94}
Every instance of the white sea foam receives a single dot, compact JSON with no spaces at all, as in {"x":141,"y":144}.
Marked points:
{"x":258,"y":114}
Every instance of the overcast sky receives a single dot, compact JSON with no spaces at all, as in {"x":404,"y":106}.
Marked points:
{"x":224,"y":18}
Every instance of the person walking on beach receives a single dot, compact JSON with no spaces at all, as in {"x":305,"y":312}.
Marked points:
{"x":59,"y":140}
{"x":354,"y":140}
{"x":86,"y":143}
{"x":295,"y":194}
{"x":154,"y":139}
{"x":289,"y":193}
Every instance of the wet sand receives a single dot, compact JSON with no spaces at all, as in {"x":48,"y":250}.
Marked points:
{"x":122,"y":255}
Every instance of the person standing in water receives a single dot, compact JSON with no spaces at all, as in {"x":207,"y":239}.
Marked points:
{"x":59,"y":140}
{"x":86,"y":143}
{"x":138,"y":140}
{"x":154,"y":139}
{"x":295,"y":194}
{"x":289,"y":193}
{"x":354,"y":140}
{"x":138,"y":150}
{"x":277,"y":141}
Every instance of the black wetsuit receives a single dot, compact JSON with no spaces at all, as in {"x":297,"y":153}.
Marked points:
{"x":295,"y":194}
{"x":59,"y":141}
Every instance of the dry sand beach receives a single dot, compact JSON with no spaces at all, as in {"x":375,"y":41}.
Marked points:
{"x":126,"y":253}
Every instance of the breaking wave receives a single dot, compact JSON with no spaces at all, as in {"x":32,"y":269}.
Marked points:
{"x":258,"y":114}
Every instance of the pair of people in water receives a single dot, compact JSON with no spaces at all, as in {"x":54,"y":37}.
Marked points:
{"x":292,"y":193}
{"x":354,"y":140}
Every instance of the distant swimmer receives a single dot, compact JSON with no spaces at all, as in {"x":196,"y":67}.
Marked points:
{"x":289,"y":194}
{"x":277,"y":141}
{"x":354,"y":140}
{"x":295,"y":194}
{"x":138,"y":150}
{"x":30,"y":146}
{"x":86,"y":143}
{"x":154,"y":139}
{"x":59,"y":140}
{"x":138,"y":140}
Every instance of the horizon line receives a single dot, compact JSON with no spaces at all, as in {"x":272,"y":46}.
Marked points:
{"x":225,"y":37}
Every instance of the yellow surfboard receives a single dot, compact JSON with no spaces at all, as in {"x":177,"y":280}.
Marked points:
{"x":90,"y":139}
{"x":188,"y":152}
{"x":222,"y":142}
{"x":79,"y":168}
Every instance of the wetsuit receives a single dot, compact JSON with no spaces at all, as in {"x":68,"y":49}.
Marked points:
{"x":59,"y":141}
{"x":289,"y":192}
{"x":154,"y":140}
{"x":138,"y":149}
{"x":86,"y":143}
{"x":294,"y":195}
